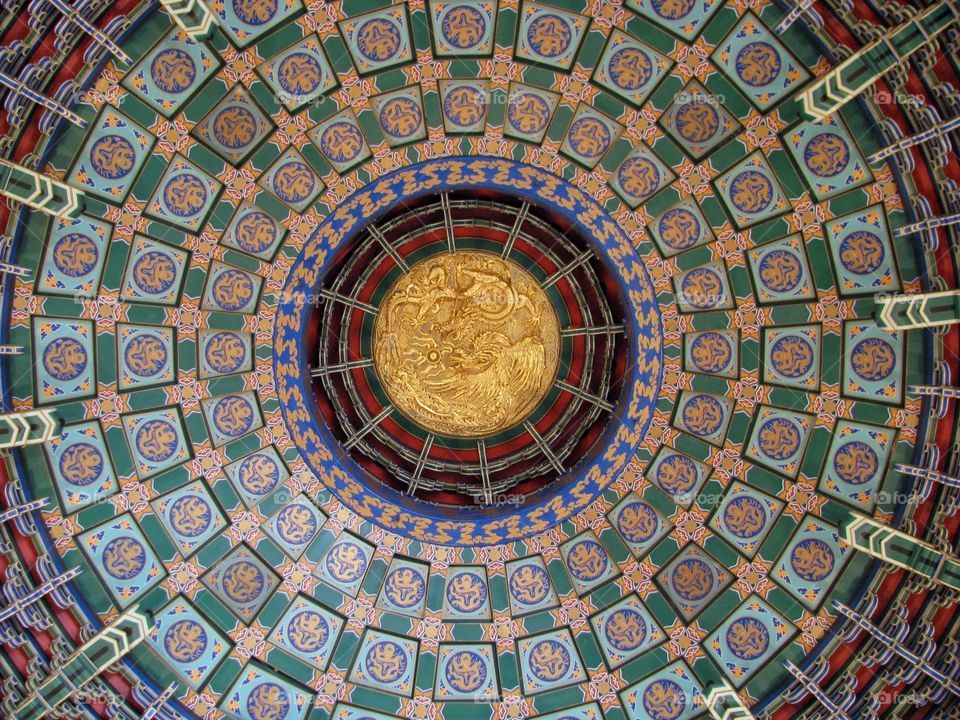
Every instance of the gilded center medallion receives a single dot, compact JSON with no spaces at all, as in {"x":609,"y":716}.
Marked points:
{"x":466,"y":344}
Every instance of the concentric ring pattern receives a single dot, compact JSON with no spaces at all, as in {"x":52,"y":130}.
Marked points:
{"x":666,"y":521}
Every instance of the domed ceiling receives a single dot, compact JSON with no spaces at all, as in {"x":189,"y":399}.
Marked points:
{"x":483,"y":359}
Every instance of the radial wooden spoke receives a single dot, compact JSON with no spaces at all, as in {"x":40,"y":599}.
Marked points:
{"x":585,"y":396}
{"x":448,"y":222}
{"x":485,"y":473}
{"x":349,"y":301}
{"x":566,"y":269}
{"x":391,"y":250}
{"x":544,"y":448}
{"x":421,"y":462}
{"x":323,"y":370}
{"x":592,"y":330}
{"x":515,"y":230}
{"x":371,"y":424}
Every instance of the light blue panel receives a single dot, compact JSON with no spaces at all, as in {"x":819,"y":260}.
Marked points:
{"x":243,"y":582}
{"x":292,"y":180}
{"x":400,"y":115}
{"x":630,"y":68}
{"x":463,"y":28}
{"x":680,"y":228}
{"x":466,"y":595}
{"x":379,"y":39}
{"x":672,"y":692}
{"x":80,"y":465}
{"x":590,"y":135}
{"x":781,"y":272}
{"x":404,"y":588}
{"x":76,"y":251}
{"x":856,"y":462}
{"x":692,"y":580}
{"x":704,"y":288}
{"x":145,"y":356}
{"x":190,"y":516}
{"x":827,"y":156}
{"x":257,"y":476}
{"x":587,"y":561}
{"x":259,"y":693}
{"x":65,"y":368}
{"x":811,"y":561}
{"x":345,"y":564}
{"x":639,"y":523}
{"x":549,"y":661}
{"x":529,"y":587}
{"x":386,"y":662}
{"x":466,"y":672}
{"x":872,"y":362}
{"x":626,"y":630}
{"x":681,"y":17}
{"x":295,"y":525}
{"x":112,"y":157}
{"x":254,"y":232}
{"x":529,"y":110}
{"x":154,"y":273}
{"x":187,"y":642}
{"x":745,"y":517}
{"x":863,"y":257}
{"x":223,"y":352}
{"x":299,"y":74}
{"x":746,"y":640}
{"x":184,"y":196}
{"x":779,"y":439}
{"x":230,"y":289}
{"x":704,"y":415}
{"x":712,"y":352}
{"x":698,"y":121}
{"x":549,"y":35}
{"x":307,"y":631}
{"x":247,"y":20}
{"x":231,"y":416}
{"x":122,"y":558}
{"x":751,"y":192}
{"x":341,"y":140}
{"x":791,"y":357}
{"x":157,"y":440}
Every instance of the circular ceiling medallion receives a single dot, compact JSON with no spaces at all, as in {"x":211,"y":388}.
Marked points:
{"x":458,"y":375}
{"x":466,"y":344}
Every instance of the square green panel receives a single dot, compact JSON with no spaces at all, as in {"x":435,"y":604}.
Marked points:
{"x":779,"y":439}
{"x":758,"y":64}
{"x":400,"y":115}
{"x":626,"y":630}
{"x":466,"y":672}
{"x":679,"y":476}
{"x":188,"y":643}
{"x":64,"y":349}
{"x":692,"y":580}
{"x":712,"y":352}
{"x":704,"y":288}
{"x":345,"y":564}
{"x":223,"y":352}
{"x":630,"y":68}
{"x":640,"y":176}
{"x":157,"y":439}
{"x":244,"y":21}
{"x":299,"y":74}
{"x":341,"y":140}
{"x":404,"y":588}
{"x":529,"y":110}
{"x":791,"y":357}
{"x":184,"y":196}
{"x":243,"y":582}
{"x":308,"y":632}
{"x":254,"y":232}
{"x":190,"y":516}
{"x":681,"y":227}
{"x":463,"y":28}
{"x":292,"y":180}
{"x":745,"y":517}
{"x":145,"y":356}
{"x":781,"y":272}
{"x":260,"y":690}
{"x":872,"y":362}
{"x":466,"y":595}
{"x":811,"y":561}
{"x":681,"y":17}
{"x":231,"y":416}
{"x":76,"y":251}
{"x":235,"y":126}
{"x":746,"y":640}
{"x":862,"y":252}
{"x":529,"y":586}
{"x":171,"y":72}
{"x":704,"y":415}
{"x":80,"y":465}
{"x":112,"y":157}
{"x":698,"y":121}
{"x":294,"y":526}
{"x":751,"y":192}
{"x":230,"y":289}
{"x":379,"y":39}
{"x":549,"y":35}
{"x":587,"y":562}
{"x":827,"y":157}
{"x":257,"y":475}
{"x":155,"y":272}
{"x":464,"y":104}
{"x":856,"y":462}
{"x":638,"y":523}
{"x":386,"y":662}
{"x":122,"y":558}
{"x":549,"y":661}
{"x":590,"y":135}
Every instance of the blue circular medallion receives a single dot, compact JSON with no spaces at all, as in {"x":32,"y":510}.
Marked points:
{"x":112,"y":157}
{"x":549,"y":35}
{"x":190,"y":515}
{"x":157,"y":440}
{"x":778,"y":439}
{"x":75,"y":255}
{"x":758,"y":63}
{"x":185,"y":641}
{"x":173,"y":70}
{"x":124,"y":557}
{"x":64,"y":358}
{"x":463,"y":27}
{"x":81,"y":464}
